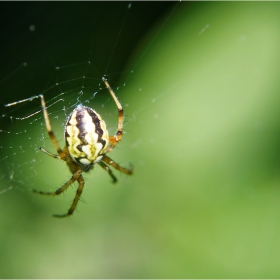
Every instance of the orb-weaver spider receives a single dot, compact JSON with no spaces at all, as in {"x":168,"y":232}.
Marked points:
{"x":87,"y":142}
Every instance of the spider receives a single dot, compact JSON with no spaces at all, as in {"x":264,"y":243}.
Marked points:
{"x":87,"y":142}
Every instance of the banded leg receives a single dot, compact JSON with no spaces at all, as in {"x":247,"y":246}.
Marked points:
{"x":109,"y":161}
{"x":81,"y":182}
{"x":47,"y":122}
{"x":49,"y":153}
{"x":107,"y":168}
{"x":118,"y":135}
{"x":49,"y":128}
{"x":74,"y":178}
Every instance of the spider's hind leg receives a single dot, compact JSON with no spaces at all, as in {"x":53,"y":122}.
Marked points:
{"x":64,"y":187}
{"x":81,"y":182}
{"x":107,"y":168}
{"x":109,"y":161}
{"x":76,"y":177}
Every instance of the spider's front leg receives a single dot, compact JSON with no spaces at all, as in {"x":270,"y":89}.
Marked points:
{"x":49,"y":153}
{"x":114,"y":140}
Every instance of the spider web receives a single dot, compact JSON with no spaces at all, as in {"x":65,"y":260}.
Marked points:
{"x":68,"y":72}
{"x":199,"y":83}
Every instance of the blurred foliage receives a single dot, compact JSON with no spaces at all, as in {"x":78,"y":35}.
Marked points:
{"x":203,"y":134}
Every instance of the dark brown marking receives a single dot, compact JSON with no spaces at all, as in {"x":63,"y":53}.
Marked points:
{"x":81,"y":125}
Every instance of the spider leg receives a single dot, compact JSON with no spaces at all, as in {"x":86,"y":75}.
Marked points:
{"x":49,"y":154}
{"x":109,"y":161}
{"x":118,"y":135}
{"x":74,"y":178}
{"x":107,"y":168}
{"x":49,"y":128}
{"x":81,"y":182}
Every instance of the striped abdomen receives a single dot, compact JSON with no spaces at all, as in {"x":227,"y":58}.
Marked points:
{"x":86,"y":136}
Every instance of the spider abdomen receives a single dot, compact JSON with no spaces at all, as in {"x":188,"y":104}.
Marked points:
{"x":86,"y":135}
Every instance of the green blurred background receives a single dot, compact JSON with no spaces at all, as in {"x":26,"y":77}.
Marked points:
{"x":203,"y":133}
